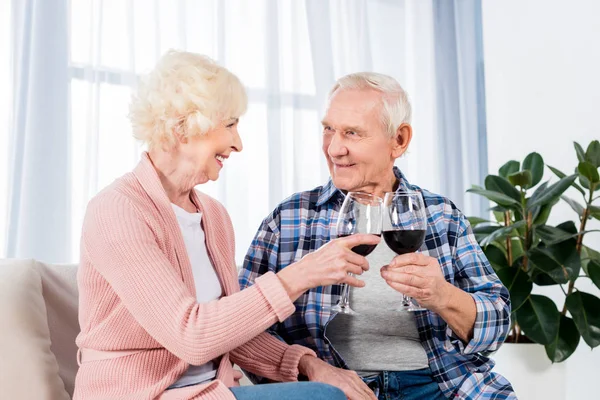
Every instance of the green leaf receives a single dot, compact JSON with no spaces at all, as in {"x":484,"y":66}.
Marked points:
{"x":499,"y":198}
{"x":474,"y":221}
{"x":589,"y":171}
{"x":567,"y":226}
{"x":502,"y":185}
{"x":591,"y":253}
{"x":517,"y":249}
{"x":498,"y":215}
{"x":585,"y":182}
{"x":595,"y":212}
{"x":522,"y":178}
{"x":562,"y":175}
{"x":565,"y":342}
{"x":579,"y":151}
{"x":565,"y":253}
{"x":509,"y":168}
{"x":542,"y":213}
{"x":496,"y":257}
{"x":482,"y":231}
{"x":545,"y":262}
{"x":518,"y":284}
{"x":535,"y":164}
{"x":593,"y":271}
{"x":539,"y":318}
{"x":587,"y":255}
{"x":542,"y":216}
{"x":500,"y":233}
{"x":550,"y":234}
{"x":578,"y":208}
{"x":593,"y":153}
{"x":584,"y":309}
{"x":551,"y":193}
{"x":541,"y":278}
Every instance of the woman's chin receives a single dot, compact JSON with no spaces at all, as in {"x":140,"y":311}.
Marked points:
{"x":205,"y":178}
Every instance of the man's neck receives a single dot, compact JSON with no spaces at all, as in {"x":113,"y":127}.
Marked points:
{"x":389,"y":184}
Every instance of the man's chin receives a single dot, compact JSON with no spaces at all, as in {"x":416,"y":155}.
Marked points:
{"x":343,"y":184}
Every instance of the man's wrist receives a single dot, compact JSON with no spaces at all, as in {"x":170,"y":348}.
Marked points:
{"x":447,"y":299}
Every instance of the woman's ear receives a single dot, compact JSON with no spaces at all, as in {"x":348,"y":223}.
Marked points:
{"x":402,"y":139}
{"x":179,"y":132}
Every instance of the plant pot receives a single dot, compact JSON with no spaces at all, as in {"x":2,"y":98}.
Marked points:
{"x":530,"y":371}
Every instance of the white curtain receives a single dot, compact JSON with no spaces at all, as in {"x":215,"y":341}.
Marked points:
{"x":69,"y":136}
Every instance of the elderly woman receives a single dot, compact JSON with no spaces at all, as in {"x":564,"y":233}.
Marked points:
{"x":161,"y":312}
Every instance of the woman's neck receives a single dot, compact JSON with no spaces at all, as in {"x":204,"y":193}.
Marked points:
{"x":175,"y":179}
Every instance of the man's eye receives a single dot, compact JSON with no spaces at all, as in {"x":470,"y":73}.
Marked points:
{"x":351,"y":133}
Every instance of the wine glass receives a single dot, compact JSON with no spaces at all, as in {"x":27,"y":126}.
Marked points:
{"x":404,"y":228}
{"x":360,"y":213}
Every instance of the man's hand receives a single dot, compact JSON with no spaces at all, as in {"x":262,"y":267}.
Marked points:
{"x":349,"y":382}
{"x":420,"y":277}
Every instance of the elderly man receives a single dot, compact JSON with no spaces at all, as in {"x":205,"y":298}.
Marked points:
{"x":433,"y":354}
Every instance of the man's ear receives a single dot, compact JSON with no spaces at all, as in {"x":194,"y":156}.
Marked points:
{"x":402,"y":139}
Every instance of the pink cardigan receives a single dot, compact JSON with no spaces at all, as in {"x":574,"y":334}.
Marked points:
{"x":137,"y":292}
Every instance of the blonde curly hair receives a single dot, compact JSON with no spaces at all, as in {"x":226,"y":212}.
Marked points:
{"x":186,"y":94}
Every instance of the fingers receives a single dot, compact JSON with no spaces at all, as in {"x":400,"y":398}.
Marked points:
{"x":359,"y":238}
{"x":352,"y":281}
{"x":404,"y":278}
{"x":361,"y":388}
{"x":404,"y":260}
{"x":354,"y":269}
{"x":407,"y":290}
{"x":365,"y":391}
{"x":356,"y":259}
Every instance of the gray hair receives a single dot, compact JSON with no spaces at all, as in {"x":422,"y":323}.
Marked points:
{"x":396,"y":106}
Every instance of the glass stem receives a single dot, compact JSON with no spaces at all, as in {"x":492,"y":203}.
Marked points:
{"x":345,"y":296}
{"x":405,"y":300}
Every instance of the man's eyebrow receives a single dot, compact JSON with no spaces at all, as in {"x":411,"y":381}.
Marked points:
{"x":345,"y":128}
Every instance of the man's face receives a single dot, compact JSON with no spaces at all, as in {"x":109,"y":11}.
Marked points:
{"x":359,"y":151}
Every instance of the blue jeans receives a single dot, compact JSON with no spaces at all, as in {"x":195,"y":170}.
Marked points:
{"x":288,"y":391}
{"x":405,"y":385}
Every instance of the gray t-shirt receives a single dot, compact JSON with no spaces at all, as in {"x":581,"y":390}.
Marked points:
{"x":380,"y":338}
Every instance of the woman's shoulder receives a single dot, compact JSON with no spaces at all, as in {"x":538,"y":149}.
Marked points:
{"x":124,"y":195}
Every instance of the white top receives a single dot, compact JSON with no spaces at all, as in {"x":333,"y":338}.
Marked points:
{"x":208,"y":286}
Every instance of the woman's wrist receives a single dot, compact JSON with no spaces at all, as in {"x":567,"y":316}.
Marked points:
{"x":292,"y":281}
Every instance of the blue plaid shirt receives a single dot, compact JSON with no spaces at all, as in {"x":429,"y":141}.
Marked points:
{"x":304,"y":222}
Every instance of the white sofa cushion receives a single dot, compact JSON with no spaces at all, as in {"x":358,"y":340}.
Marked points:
{"x":29,"y":369}
{"x":59,"y":288}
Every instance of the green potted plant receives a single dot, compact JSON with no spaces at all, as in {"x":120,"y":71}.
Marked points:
{"x":525,"y":250}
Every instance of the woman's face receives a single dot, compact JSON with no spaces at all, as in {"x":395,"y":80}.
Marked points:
{"x":206,"y":154}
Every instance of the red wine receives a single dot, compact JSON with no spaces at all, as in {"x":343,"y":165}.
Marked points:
{"x":404,"y":241}
{"x":363,"y":249}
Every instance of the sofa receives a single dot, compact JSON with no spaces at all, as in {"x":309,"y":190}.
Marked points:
{"x":39,"y":324}
{"x":38,"y":310}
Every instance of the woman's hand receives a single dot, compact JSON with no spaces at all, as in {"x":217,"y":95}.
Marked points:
{"x":329,"y":265}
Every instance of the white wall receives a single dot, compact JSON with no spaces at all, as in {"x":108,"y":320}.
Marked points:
{"x":542,"y":70}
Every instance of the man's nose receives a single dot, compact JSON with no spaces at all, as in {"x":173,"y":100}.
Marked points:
{"x":336,"y":147}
